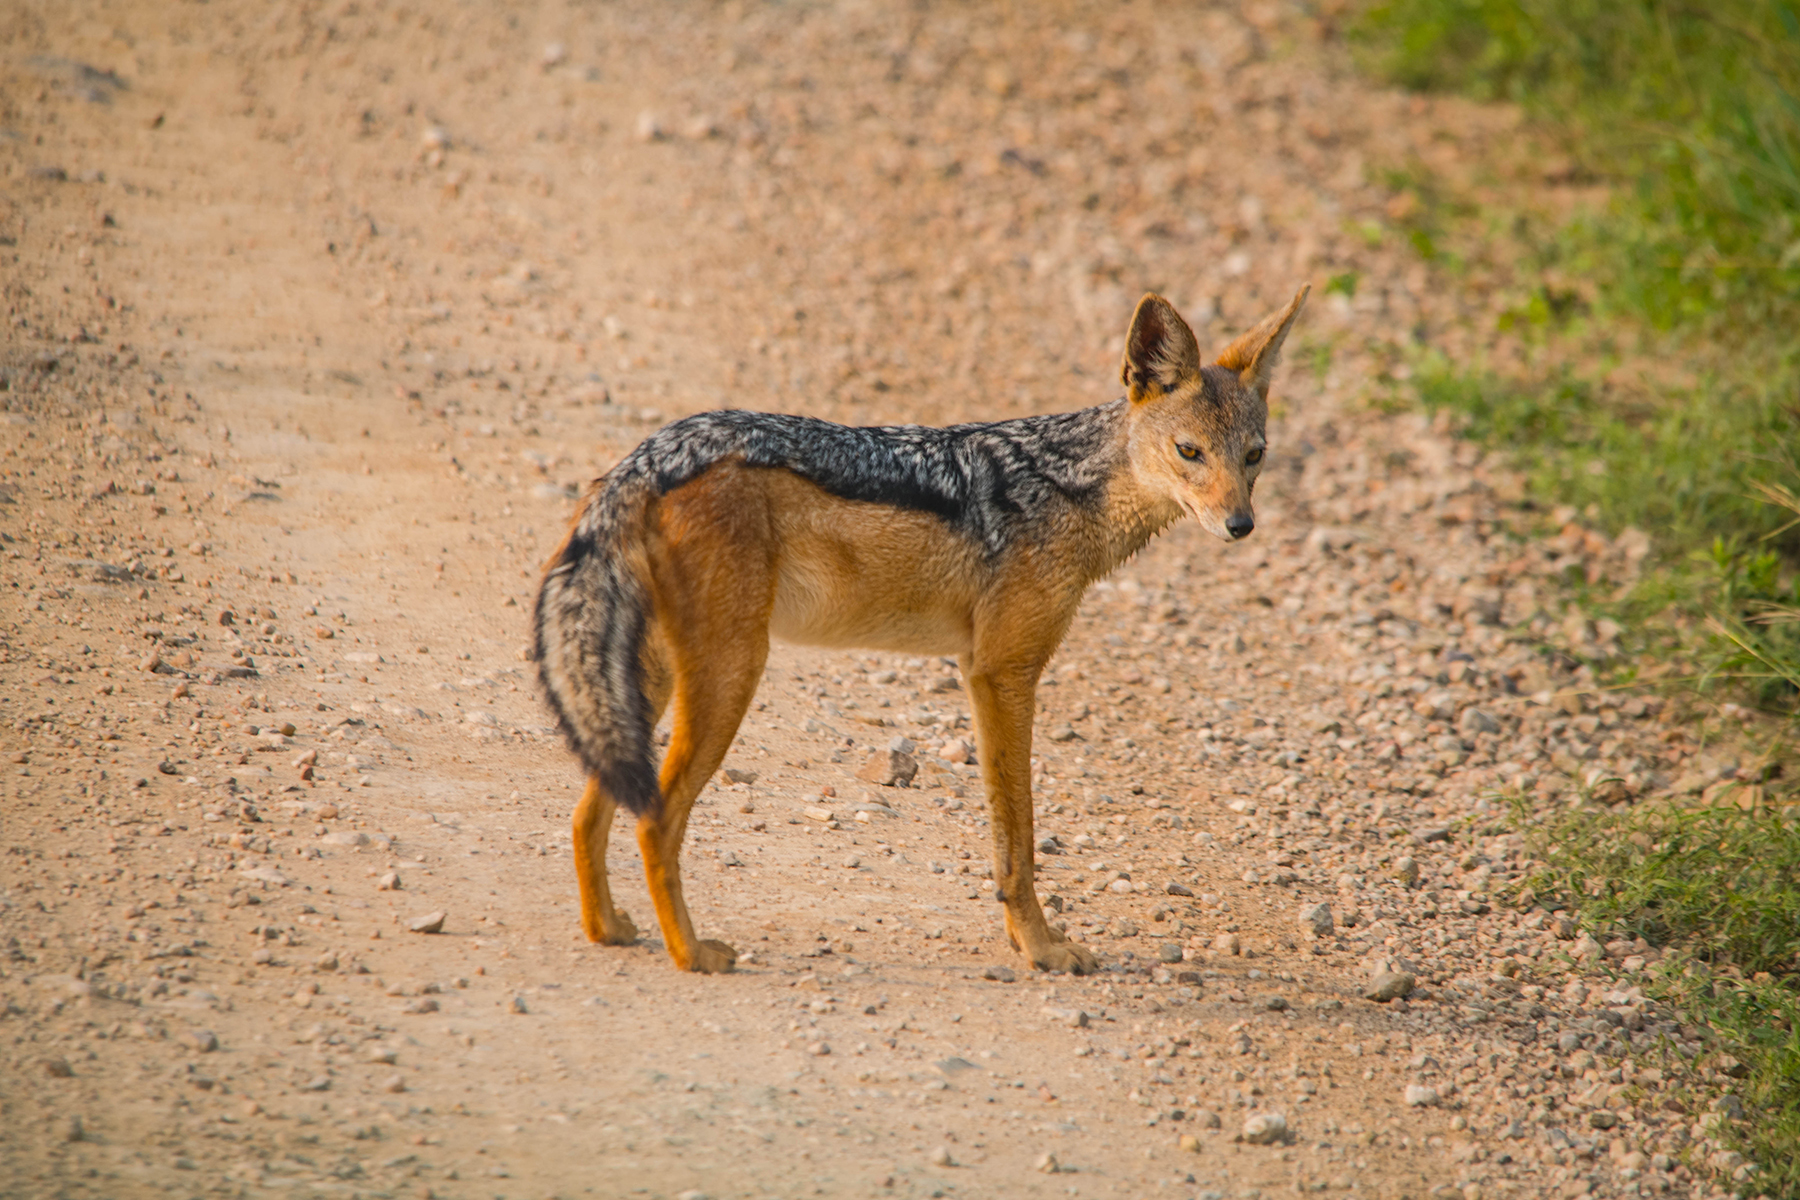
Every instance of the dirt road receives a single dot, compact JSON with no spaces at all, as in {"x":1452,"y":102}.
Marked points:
{"x":316,"y":318}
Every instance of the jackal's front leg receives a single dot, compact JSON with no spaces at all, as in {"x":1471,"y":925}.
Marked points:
{"x":1004,"y":700}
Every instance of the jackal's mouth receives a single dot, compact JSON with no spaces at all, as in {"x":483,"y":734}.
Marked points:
{"x":1209,"y":521}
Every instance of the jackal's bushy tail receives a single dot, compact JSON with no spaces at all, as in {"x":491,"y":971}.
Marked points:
{"x":592,"y":611}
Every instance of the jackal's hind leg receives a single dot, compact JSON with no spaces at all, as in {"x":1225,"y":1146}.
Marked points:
{"x":713,"y":598}
{"x":710,"y":700}
{"x":600,"y":920}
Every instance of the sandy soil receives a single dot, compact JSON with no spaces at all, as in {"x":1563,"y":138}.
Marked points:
{"x":317,"y":315}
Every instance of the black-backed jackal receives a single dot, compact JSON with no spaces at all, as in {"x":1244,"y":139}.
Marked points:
{"x":975,"y":540}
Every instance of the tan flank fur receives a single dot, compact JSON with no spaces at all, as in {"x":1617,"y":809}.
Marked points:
{"x":726,"y":529}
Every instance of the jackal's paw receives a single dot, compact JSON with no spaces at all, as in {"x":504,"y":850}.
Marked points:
{"x":619,"y":931}
{"x":713,"y":958}
{"x":1072,"y":957}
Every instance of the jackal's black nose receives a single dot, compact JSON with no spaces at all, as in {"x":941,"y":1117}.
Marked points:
{"x":1239,"y":525}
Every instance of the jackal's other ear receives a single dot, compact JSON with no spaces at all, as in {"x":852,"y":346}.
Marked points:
{"x":1160,"y":350}
{"x":1253,"y":355}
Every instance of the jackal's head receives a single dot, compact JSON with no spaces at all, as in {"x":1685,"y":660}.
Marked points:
{"x":1197,"y":431}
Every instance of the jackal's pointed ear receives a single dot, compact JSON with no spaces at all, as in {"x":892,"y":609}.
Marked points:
{"x":1160,"y":350}
{"x":1253,"y":355}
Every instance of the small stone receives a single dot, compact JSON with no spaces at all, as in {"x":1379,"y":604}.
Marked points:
{"x":1063,"y":733}
{"x":1406,"y":870}
{"x":1474,"y":721}
{"x":389,"y":882}
{"x":58,"y":1068}
{"x":394,"y":1083}
{"x":1436,"y":833}
{"x":1226,"y":943}
{"x":424,"y":1004}
{"x":203,"y":1040}
{"x":822,"y":815}
{"x":1187,"y":1143}
{"x":1419,"y":1096}
{"x":517,"y":1005}
{"x":649,"y":128}
{"x":1206,"y":1118}
{"x":1602,"y":1119}
{"x":1265,"y":1129}
{"x":1178,"y":889}
{"x":958,"y":751}
{"x":379,"y":1053}
{"x":1046,"y":1164}
{"x":941,"y":1157}
{"x":1389,"y":985}
{"x":999,"y":974}
{"x":72,"y":1130}
{"x":889,"y":768}
{"x":1170,"y":952}
{"x":1316,"y":919}
{"x":432,"y":922}
{"x":819,"y":1049}
{"x":733,"y":775}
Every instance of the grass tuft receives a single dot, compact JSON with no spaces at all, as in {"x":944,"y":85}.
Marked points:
{"x":1720,"y":886}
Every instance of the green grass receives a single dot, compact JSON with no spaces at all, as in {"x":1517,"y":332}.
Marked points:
{"x":1719,"y":886}
{"x":1690,"y":114}
{"x":1693,"y":110}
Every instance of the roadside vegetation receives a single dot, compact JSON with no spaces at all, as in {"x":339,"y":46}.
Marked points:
{"x":1661,"y":390}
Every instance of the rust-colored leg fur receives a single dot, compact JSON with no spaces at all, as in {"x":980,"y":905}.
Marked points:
{"x":1013,"y":641}
{"x":600,"y":920}
{"x":713,"y":589}
{"x":593,"y":821}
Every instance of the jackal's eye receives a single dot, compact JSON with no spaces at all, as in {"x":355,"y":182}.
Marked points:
{"x":1254,"y":457}
{"x":1191,"y":453}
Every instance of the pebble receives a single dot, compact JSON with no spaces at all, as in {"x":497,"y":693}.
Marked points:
{"x":1227,"y":943}
{"x":1170,"y":952}
{"x":819,"y":1049}
{"x":1046,"y":1164}
{"x":889,"y":768}
{"x":1417,"y":1095}
{"x":1389,"y":985}
{"x":203,"y":1040}
{"x":517,"y":1005}
{"x":1316,"y":919}
{"x":999,"y":974}
{"x":394,"y":1083}
{"x":1265,"y":1129}
{"x":389,"y":882}
{"x":432,"y":922}
{"x":1206,"y":1118}
{"x":941,"y":1157}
